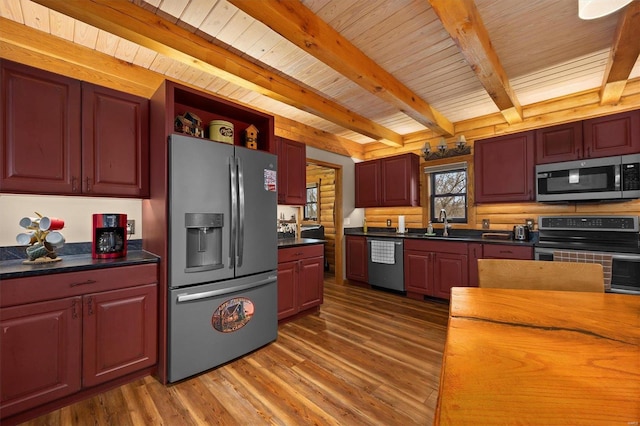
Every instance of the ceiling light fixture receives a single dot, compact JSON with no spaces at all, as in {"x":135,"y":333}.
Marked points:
{"x":593,"y":9}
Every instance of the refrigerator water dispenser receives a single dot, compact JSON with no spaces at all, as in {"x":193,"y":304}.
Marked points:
{"x":204,"y":241}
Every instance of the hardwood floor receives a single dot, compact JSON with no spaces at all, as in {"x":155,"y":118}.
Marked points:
{"x":367,"y":358}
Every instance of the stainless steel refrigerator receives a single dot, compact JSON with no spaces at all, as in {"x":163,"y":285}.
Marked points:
{"x":222,"y":253}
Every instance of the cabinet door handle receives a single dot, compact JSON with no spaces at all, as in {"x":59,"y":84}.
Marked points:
{"x":74,"y":184}
{"x":74,"y":309}
{"x":83,"y":283}
{"x":88,"y":184}
{"x":90,"y":305}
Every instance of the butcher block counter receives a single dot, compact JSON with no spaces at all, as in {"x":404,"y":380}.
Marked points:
{"x":540,"y":357}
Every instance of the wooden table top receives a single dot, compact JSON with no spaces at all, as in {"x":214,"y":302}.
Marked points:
{"x":540,"y":357}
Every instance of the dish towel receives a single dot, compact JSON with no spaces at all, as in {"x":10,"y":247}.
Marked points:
{"x":606,"y":260}
{"x":383,"y":252}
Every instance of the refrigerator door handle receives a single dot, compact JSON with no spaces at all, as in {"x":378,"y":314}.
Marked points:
{"x":240,"y":247}
{"x":234,"y":206}
{"x":186,"y":297}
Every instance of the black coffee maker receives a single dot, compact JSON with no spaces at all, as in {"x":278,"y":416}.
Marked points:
{"x":109,"y":236}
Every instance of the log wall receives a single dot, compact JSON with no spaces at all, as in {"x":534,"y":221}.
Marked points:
{"x":326,"y":178}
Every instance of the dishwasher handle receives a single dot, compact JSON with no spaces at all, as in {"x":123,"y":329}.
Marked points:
{"x":396,"y":242}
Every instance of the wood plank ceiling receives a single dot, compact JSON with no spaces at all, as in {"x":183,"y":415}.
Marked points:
{"x":365,"y":70}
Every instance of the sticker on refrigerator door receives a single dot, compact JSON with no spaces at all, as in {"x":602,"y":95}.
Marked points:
{"x":270,"y":178}
{"x":232,"y":314}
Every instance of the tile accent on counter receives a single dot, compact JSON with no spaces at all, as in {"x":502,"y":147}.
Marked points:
{"x":606,"y":260}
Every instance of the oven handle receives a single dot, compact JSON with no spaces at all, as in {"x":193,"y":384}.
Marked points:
{"x":186,"y":297}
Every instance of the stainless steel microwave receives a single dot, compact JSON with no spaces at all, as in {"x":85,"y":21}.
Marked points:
{"x":608,"y":178}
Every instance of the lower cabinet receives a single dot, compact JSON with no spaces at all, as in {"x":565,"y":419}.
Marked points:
{"x":494,"y":251}
{"x":356,"y":258}
{"x":300,"y":279}
{"x":432,"y":268}
{"x":70,"y":338}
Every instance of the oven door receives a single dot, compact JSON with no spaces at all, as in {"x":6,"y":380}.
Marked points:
{"x":594,"y":179}
{"x":625,"y":269}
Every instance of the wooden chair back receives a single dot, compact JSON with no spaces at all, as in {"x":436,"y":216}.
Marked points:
{"x":540,"y":275}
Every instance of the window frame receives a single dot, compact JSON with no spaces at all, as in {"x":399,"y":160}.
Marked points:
{"x":439,"y":170}
{"x":312,"y":186}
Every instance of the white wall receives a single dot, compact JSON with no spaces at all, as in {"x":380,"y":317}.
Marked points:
{"x":352,"y":217}
{"x":75,"y":211}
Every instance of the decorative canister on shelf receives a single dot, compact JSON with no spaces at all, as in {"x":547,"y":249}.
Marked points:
{"x":221,"y":131}
{"x":251,"y":137}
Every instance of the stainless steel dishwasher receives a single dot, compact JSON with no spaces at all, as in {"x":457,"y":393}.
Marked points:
{"x":386,"y":263}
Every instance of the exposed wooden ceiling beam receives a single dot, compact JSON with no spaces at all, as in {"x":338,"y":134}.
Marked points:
{"x":623,"y":56}
{"x":463,"y":23}
{"x":298,"y":24}
{"x":133,"y":23}
{"x":29,"y":46}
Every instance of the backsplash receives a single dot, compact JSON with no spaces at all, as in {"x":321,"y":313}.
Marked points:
{"x":76,"y":212}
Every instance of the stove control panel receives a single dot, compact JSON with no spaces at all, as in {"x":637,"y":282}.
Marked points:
{"x":589,"y":223}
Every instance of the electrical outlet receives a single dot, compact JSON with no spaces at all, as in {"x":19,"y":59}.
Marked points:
{"x":486,"y":223}
{"x":388,"y":222}
{"x":131,"y":226}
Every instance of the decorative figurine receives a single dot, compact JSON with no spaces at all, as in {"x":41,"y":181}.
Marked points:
{"x":190,"y":124}
{"x":251,"y":137}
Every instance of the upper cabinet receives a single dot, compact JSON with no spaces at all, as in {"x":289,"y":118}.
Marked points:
{"x":367,"y":178}
{"x":617,"y":134}
{"x":559,"y":143}
{"x":292,"y":172}
{"x":115,"y":142}
{"x":77,"y":139}
{"x":388,"y":182}
{"x":504,"y":168}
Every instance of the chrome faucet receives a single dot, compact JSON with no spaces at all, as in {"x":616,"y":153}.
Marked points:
{"x":443,"y":212}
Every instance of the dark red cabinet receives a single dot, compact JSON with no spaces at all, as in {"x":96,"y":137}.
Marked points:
{"x":40,"y":353}
{"x":66,"y":333}
{"x":292,"y":172}
{"x":400,"y":180}
{"x":368,"y":180}
{"x":119,"y":333}
{"x":115,"y":143}
{"x":559,"y":143}
{"x":300,"y":279}
{"x":41,"y":121}
{"x":432,"y":268}
{"x":504,"y":168}
{"x":388,"y":182}
{"x":78,"y":138}
{"x":616,"y":134}
{"x":611,"y":135}
{"x":356,"y":258}
{"x":287,"y":289}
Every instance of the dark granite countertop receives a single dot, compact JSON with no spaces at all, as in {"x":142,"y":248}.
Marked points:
{"x":72,"y":263}
{"x":459,"y":235}
{"x":295,"y":242}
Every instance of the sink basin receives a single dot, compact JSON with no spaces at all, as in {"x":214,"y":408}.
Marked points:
{"x":496,"y":236}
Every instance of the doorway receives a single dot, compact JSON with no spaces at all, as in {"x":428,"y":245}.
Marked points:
{"x":327,"y":178}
